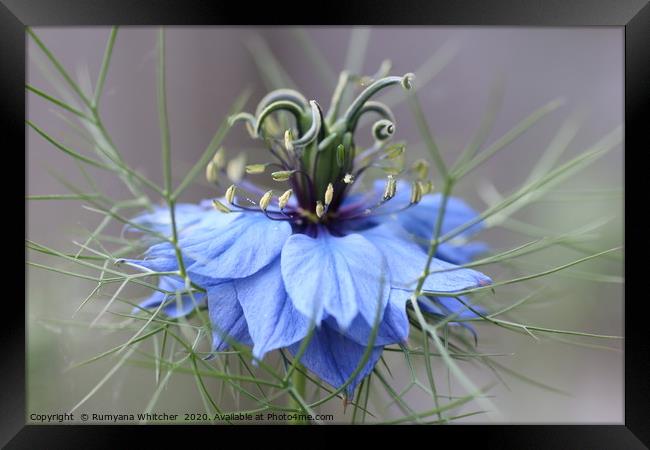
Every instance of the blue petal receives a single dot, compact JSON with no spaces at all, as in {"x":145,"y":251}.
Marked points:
{"x":172,"y":284}
{"x":406,"y":260}
{"x":227,"y":317}
{"x":161,"y":257}
{"x":273,"y":320}
{"x":161,"y":263}
{"x":420,"y":220}
{"x":186,"y":214}
{"x":334,"y":357}
{"x":460,"y":253}
{"x":341,"y":276}
{"x":393,"y":328}
{"x":446,"y":306}
{"x":222,"y":247}
{"x":237,"y":250}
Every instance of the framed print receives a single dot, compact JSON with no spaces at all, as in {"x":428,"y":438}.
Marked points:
{"x":389,"y":216}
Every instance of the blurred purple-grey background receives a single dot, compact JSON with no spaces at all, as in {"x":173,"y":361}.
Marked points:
{"x":207,"y":67}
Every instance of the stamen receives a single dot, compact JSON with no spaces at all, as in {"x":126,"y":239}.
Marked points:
{"x":212,"y":173}
{"x":219,"y":158}
{"x":236,"y":168}
{"x":329,"y":194}
{"x":254,"y":169}
{"x":282,"y":175}
{"x":426,"y":186}
{"x":348,"y":178}
{"x":391,"y":188}
{"x":421,"y":168}
{"x":394,"y":151}
{"x":284,"y":198}
{"x":288,"y":140}
{"x":220,"y":206}
{"x":230,"y":194}
{"x":320,"y":209}
{"x":241,"y":194}
{"x":266,"y":200}
{"x":416,"y":193}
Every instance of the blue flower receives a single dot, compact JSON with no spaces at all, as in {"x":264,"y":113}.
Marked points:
{"x":420,"y":221}
{"x":320,"y":256}
{"x":159,"y":220}
{"x":177,"y":300}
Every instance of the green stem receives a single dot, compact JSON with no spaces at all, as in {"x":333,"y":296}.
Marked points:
{"x":299,"y":383}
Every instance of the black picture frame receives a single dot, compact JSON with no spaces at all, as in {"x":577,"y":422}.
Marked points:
{"x":633,"y":15}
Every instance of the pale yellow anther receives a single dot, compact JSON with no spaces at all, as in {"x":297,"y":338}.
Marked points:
{"x":329,"y":194}
{"x":220,"y":206}
{"x":219,"y":158}
{"x":288,"y":140}
{"x":421,"y":168}
{"x":230,"y":194}
{"x":391,"y":188}
{"x":266,"y":200}
{"x":426,"y":187}
{"x":394,"y":151}
{"x":320,"y":209}
{"x":284,"y":198}
{"x":254,"y":169}
{"x":236,"y":167}
{"x":416,"y":193}
{"x":282,"y":175}
{"x":212,"y":172}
